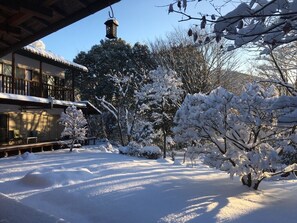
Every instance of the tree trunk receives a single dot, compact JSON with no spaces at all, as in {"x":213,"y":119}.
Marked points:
{"x":120,"y":127}
{"x":121,"y":133}
{"x":71,"y":145}
{"x":247,"y":180}
{"x":164,"y":143}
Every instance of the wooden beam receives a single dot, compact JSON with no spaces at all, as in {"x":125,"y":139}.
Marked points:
{"x":10,"y":29}
{"x":27,"y":29}
{"x":69,"y":19}
{"x":41,"y":12}
{"x":35,"y":8}
{"x":43,"y":21}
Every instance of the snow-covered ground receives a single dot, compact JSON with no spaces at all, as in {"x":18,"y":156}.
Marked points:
{"x":89,"y":185}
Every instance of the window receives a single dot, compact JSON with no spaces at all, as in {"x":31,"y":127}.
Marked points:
{"x":20,"y":73}
{"x":28,"y":75}
{"x":35,"y":76}
{"x":7,"y":69}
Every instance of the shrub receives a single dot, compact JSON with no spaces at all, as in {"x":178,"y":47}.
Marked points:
{"x":134,"y":149}
{"x":151,"y":152}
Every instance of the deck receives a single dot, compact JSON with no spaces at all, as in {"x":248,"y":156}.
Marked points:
{"x":11,"y":150}
{"x":33,"y":147}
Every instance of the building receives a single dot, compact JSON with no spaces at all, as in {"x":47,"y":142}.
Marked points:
{"x":33,"y":88}
{"x":34,"y":92}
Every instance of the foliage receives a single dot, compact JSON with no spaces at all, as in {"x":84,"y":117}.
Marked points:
{"x":242,"y":135}
{"x":269,"y":23}
{"x":159,"y":99}
{"x":74,"y":124}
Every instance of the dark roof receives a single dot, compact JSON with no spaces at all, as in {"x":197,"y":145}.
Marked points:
{"x":24,"y":21}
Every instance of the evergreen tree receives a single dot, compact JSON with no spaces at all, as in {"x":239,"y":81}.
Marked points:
{"x":109,"y":58}
{"x":160,"y":98}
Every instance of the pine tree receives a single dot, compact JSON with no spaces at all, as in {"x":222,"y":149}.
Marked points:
{"x":160,"y":98}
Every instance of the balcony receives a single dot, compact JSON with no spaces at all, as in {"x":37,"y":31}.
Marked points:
{"x":33,"y":88}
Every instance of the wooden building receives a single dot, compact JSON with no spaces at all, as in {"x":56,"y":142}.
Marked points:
{"x":33,"y":88}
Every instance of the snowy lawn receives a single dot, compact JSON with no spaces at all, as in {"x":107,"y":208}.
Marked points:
{"x":91,"y":186}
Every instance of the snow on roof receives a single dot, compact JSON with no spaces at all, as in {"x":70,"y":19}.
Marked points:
{"x":36,"y":49}
{"x":24,"y":98}
{"x":42,"y":100}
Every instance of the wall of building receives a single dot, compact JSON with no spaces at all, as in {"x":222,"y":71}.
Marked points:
{"x":41,"y":123}
{"x":29,"y":63}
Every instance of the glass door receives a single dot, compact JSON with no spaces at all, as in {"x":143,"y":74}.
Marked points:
{"x":3,"y":128}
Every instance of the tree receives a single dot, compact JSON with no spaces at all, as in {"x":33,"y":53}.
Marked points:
{"x":242,"y":135}
{"x":108,"y":58}
{"x":159,"y":99}
{"x":74,"y":124}
{"x":279,"y":67}
{"x":200,"y":67}
{"x":179,"y":54}
{"x":269,"y":23}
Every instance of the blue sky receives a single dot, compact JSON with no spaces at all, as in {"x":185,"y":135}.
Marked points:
{"x":139,"y":21}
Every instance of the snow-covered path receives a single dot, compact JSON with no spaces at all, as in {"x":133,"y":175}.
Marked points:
{"x":88,"y":186}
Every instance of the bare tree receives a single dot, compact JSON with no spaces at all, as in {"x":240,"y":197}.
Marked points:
{"x":201,"y":67}
{"x":279,"y":67}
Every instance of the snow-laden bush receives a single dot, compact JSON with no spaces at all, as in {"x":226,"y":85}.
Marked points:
{"x":240,"y":134}
{"x":151,"y":152}
{"x":135,"y":149}
{"x":132,"y":149}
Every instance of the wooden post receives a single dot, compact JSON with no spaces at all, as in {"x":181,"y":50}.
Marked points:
{"x":73,"y":85}
{"x":40,"y":80}
{"x":13,"y":72}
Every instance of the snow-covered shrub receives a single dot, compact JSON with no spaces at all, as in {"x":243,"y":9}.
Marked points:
{"x":74,"y":124}
{"x":132,"y":149}
{"x":241,"y":134}
{"x":135,"y":149}
{"x":151,"y":152}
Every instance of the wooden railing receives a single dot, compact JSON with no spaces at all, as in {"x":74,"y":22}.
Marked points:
{"x":33,"y":88}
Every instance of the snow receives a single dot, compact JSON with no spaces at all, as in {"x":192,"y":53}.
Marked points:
{"x":94,"y":186}
{"x":50,"y":100}
{"x":38,"y":48}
